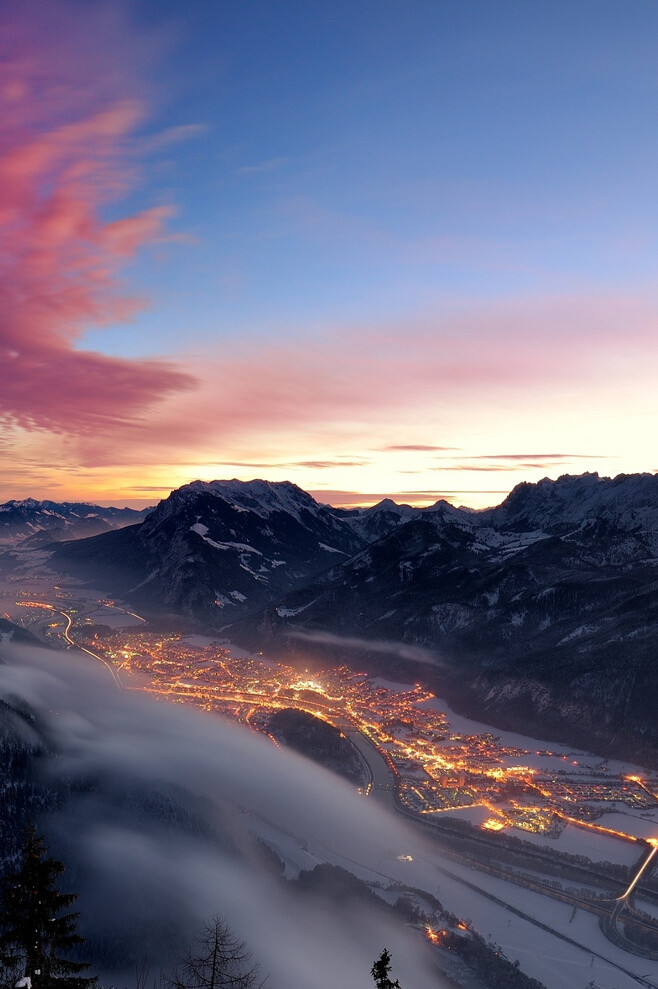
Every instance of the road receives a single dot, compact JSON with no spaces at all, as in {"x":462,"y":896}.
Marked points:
{"x":641,"y":980}
{"x":51,"y":609}
{"x":384,"y":791}
{"x":382,"y":787}
{"x":615,"y":929}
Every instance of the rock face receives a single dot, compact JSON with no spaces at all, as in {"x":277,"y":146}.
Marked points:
{"x":33,"y":522}
{"x":543,"y":611}
{"x":213,"y":550}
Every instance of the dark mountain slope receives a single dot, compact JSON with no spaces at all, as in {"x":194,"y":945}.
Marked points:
{"x":535,"y":628}
{"x":210,"y":550}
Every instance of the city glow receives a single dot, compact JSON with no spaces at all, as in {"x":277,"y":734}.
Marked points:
{"x":454,"y":779}
{"x":436,"y":769}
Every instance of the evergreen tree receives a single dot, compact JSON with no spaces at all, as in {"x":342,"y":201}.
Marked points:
{"x":35,"y":935}
{"x":380,"y":970}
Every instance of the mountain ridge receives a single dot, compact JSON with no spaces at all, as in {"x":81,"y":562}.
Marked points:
{"x":36,"y":522}
{"x":214,"y":547}
{"x":543,"y":609}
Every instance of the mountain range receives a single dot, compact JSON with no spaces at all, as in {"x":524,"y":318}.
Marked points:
{"x":538,"y":613}
{"x":36,"y":522}
{"x":543,"y":611}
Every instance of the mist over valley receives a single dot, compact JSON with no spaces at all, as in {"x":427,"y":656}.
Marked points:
{"x":434,"y":843}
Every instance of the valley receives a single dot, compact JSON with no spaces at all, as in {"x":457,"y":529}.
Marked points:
{"x":516,"y":820}
{"x":329,"y":501}
{"x":538,"y":615}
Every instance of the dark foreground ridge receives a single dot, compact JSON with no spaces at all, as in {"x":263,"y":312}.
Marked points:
{"x":319,"y":741}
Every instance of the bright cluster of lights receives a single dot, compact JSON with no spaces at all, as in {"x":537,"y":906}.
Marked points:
{"x":436,"y":770}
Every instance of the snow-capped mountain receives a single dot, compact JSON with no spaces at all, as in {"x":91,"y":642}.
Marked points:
{"x":49,"y":521}
{"x":543,"y":609}
{"x":213,"y":549}
{"x":380,"y":519}
{"x":624,"y":504}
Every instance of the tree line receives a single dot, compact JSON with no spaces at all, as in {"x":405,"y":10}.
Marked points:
{"x":38,"y":935}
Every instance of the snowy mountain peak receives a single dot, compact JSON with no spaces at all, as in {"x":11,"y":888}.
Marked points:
{"x":47,"y":521}
{"x":385,"y":503}
{"x":630,"y":501}
{"x":389,"y":507}
{"x":258,"y":496}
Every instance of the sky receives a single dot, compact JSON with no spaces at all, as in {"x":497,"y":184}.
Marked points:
{"x":383,"y":248}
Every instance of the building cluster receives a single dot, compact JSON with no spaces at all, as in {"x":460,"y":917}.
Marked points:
{"x":438,"y":769}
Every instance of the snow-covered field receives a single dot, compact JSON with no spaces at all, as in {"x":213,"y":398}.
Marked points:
{"x":597,"y":847}
{"x":644,"y":826}
{"x":114,"y":618}
{"x":544,"y":954}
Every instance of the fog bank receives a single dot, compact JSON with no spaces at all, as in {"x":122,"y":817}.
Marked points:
{"x":161,"y":813}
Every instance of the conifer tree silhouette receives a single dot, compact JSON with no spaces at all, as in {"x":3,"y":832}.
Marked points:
{"x":35,"y":934}
{"x":380,"y":970}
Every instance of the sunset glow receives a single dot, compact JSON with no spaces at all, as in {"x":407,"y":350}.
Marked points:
{"x":344,"y":251}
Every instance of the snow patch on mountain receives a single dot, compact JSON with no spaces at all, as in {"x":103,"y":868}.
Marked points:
{"x":291,"y":612}
{"x":578,"y":633}
{"x":263,"y":498}
{"x":242,"y":547}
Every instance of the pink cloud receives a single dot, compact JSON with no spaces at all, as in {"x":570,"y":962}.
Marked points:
{"x":415,"y":448}
{"x":85,"y":394}
{"x":71,"y":143}
{"x":66,"y":150}
{"x":531,"y":456}
{"x":522,"y":354}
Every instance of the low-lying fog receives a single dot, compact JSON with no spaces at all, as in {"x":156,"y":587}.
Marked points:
{"x":159,"y":821}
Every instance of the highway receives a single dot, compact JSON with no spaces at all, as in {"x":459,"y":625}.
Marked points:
{"x":384,"y":791}
{"x":70,"y":641}
{"x":615,"y":929}
{"x":641,"y":980}
{"x":651,"y":851}
{"x":108,"y":666}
